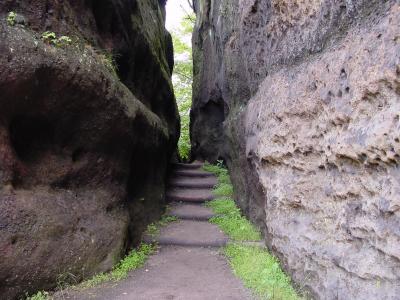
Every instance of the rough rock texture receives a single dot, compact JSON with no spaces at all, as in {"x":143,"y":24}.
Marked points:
{"x":302,"y":100}
{"x":83,"y":148}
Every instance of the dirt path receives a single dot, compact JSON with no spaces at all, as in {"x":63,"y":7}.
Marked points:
{"x":188,"y":265}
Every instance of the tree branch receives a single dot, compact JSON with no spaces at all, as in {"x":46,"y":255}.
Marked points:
{"x":190,"y":2}
{"x":188,"y":15}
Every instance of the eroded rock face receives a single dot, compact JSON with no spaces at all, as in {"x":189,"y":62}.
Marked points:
{"x":83,"y":147}
{"x":311,"y":100}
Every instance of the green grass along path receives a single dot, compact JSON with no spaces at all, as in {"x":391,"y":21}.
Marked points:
{"x":259,"y":270}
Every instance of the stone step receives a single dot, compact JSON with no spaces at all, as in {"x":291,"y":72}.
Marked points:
{"x":192,"y":173}
{"x":189,"y":195}
{"x":193,"y":182}
{"x":189,"y":234}
{"x":185,"y":243}
{"x":190,"y":212}
{"x":181,"y":166}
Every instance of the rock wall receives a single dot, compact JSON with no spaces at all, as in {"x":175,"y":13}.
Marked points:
{"x":302,"y":99}
{"x":86,"y":132}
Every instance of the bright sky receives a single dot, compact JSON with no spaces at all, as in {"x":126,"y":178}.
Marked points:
{"x":175,"y":12}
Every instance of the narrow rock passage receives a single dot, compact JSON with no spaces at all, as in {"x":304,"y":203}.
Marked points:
{"x":188,"y":264}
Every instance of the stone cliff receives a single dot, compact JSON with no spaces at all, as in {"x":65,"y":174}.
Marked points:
{"x":88,"y":123}
{"x":301,"y":98}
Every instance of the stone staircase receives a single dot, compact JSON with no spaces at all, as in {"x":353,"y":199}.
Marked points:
{"x":189,"y":188}
{"x":188,"y":263}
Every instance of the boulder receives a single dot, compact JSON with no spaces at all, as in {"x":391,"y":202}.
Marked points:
{"x":87,"y":128}
{"x":307,"y":98}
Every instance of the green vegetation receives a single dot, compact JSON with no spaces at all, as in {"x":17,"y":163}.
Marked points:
{"x":261,"y":272}
{"x":183,"y":78}
{"x":229,"y":217}
{"x":219,"y":171}
{"x":134,"y":260}
{"x":64,"y":41}
{"x":39,"y":296}
{"x":231,"y":221}
{"x":108,"y":60}
{"x":11,"y":18}
{"x":154,"y":228}
{"x":223,"y":190}
{"x":50,"y":38}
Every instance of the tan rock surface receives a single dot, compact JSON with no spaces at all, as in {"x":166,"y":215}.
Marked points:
{"x":310,"y":97}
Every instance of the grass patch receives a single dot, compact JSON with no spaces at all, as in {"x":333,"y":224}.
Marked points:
{"x":238,"y":229}
{"x":224,"y":181}
{"x":229,"y":217}
{"x":224,"y":187}
{"x":261,"y":272}
{"x":230,"y":220}
{"x":154,"y":228}
{"x":223,"y":190}
{"x":224,"y":207}
{"x":219,"y":171}
{"x":134,"y":260}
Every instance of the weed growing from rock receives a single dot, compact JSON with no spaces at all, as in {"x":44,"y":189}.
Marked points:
{"x":108,"y":60}
{"x":64,"y":41}
{"x":49,"y":37}
{"x":11,"y":18}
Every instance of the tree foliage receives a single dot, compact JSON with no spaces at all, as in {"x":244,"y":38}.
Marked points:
{"x":183,"y":78}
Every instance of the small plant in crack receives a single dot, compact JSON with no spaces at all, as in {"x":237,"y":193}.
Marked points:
{"x":105,"y":57}
{"x":64,"y":41}
{"x":11,"y":18}
{"x":108,"y":59}
{"x":49,"y":37}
